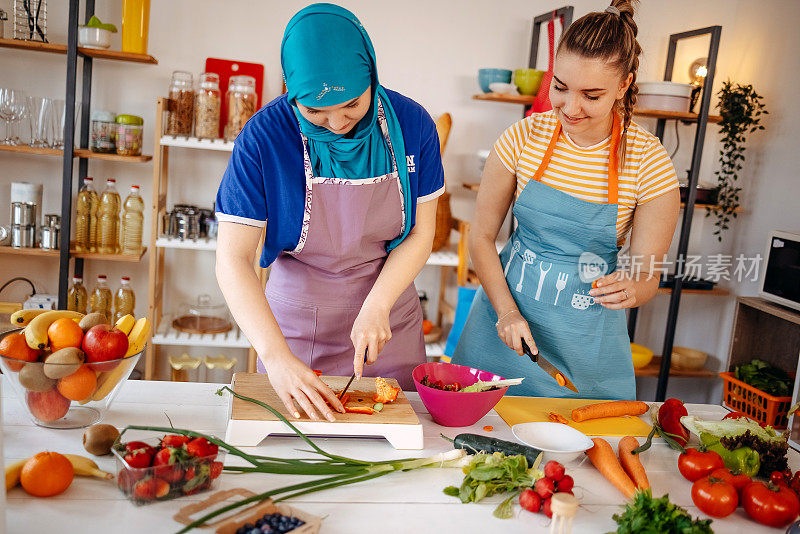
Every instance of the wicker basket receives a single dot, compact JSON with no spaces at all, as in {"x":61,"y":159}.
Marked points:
{"x":443,"y":223}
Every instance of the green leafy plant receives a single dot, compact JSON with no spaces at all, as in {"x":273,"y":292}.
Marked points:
{"x":741,"y":109}
{"x":95,"y":22}
{"x":648,"y":515}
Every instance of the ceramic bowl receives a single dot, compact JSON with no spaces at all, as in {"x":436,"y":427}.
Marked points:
{"x":453,"y":408}
{"x":528,"y":81}
{"x":489,"y":76}
{"x":557,"y":441}
{"x":89,"y":37}
{"x":687,"y":359}
{"x":642,"y":356}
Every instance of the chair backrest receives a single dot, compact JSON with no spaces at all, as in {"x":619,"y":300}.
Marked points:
{"x":443,"y":124}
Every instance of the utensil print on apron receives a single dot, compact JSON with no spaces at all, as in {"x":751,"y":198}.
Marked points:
{"x":586,"y":341}
{"x":561,"y":283}
{"x":514,"y":250}
{"x":528,"y":258}
{"x":542,"y":274}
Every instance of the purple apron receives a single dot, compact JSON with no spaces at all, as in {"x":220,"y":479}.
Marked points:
{"x":316,"y":291}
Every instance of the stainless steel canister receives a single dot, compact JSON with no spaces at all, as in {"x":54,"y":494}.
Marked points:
{"x":52,"y":220}
{"x":188,"y":224}
{"x":23,"y":236}
{"x":23,"y":213}
{"x":49,"y":239}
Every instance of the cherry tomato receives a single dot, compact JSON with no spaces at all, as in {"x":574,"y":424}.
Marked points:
{"x":694,"y":464}
{"x":530,"y":501}
{"x":770,"y":505}
{"x":715,"y":497}
{"x":738,"y":480}
{"x":778,"y":478}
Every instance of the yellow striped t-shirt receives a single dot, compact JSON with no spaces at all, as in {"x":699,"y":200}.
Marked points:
{"x":583,"y":171}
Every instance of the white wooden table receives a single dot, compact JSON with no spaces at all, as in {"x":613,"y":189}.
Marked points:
{"x":400,"y":502}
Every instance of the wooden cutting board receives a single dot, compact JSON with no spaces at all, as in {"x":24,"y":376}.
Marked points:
{"x":249,"y":423}
{"x":515,"y":410}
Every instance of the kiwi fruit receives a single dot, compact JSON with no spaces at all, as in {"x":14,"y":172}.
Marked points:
{"x":32,"y":378}
{"x":63,"y":362}
{"x":98,"y":439}
{"x":92,"y":319}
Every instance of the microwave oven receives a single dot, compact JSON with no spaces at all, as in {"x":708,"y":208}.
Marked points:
{"x":781,"y":280}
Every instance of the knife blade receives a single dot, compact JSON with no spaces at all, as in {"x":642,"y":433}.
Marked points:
{"x":548,"y":367}
{"x":351,"y":379}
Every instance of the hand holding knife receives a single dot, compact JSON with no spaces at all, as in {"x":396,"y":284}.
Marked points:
{"x":351,"y":379}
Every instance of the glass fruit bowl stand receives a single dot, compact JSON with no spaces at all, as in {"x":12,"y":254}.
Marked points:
{"x":68,"y":388}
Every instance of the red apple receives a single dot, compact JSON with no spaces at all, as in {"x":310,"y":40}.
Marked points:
{"x":48,"y":406}
{"x":103,"y":343}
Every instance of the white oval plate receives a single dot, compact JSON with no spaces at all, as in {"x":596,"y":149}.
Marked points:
{"x":558,"y":441}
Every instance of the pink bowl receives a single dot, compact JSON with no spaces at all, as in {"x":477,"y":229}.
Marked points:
{"x":452,"y":408}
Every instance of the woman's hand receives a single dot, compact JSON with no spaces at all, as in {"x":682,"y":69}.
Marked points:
{"x":371,"y":331}
{"x":294,"y":382}
{"x":512,"y":329}
{"x":619,"y":290}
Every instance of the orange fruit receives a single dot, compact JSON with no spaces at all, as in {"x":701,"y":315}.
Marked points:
{"x":46,"y":474}
{"x":427,"y":327}
{"x":15,"y":346}
{"x":64,"y":333}
{"x":79,"y":385}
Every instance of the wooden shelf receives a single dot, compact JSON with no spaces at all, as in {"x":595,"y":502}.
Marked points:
{"x":53,"y":48}
{"x":717,"y":291}
{"x":78,"y":153}
{"x":651,"y":113}
{"x":131,"y":258}
{"x":652,"y":369}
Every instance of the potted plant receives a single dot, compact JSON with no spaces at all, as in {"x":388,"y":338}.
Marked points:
{"x":741,"y":109}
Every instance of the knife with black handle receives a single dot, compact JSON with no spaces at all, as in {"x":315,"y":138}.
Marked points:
{"x":560,"y":378}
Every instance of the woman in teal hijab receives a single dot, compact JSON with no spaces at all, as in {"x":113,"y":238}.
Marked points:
{"x":344,"y":175}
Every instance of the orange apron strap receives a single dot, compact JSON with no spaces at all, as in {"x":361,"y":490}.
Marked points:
{"x":548,"y":154}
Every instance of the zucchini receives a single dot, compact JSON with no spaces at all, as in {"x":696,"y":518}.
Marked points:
{"x":475,"y":443}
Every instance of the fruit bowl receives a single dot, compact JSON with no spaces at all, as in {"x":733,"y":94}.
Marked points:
{"x":454,"y":408}
{"x":169,"y":469}
{"x":69,"y":393}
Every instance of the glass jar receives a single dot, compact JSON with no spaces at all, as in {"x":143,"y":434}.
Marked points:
{"x":129,"y":135}
{"x":181,"y":107}
{"x":241,"y":99}
{"x":207,"y":102}
{"x":103,"y":132}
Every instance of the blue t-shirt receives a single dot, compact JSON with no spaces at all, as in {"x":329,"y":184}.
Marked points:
{"x":265,"y":181}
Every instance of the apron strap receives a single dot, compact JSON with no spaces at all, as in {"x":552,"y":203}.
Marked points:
{"x":613,"y":160}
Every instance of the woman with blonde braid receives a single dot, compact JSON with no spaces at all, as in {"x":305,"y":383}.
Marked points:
{"x":584,"y":177}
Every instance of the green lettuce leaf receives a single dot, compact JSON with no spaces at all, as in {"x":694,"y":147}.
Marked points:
{"x":94,"y":22}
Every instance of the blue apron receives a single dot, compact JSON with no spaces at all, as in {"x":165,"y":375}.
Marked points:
{"x":585,"y":341}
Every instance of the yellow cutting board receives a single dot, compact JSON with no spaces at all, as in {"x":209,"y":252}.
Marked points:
{"x":515,"y":410}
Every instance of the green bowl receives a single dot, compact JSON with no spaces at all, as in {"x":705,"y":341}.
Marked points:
{"x":528,"y":81}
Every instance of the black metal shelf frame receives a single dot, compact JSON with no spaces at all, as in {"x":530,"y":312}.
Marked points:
{"x":715,"y":33}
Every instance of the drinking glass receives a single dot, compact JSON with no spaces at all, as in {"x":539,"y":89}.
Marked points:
{"x":38,"y":112}
{"x":19,"y":109}
{"x":9,"y":109}
{"x":57,"y":124}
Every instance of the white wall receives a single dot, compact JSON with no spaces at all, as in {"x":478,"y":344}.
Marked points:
{"x":431,"y":51}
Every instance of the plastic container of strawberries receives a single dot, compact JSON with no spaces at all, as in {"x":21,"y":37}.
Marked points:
{"x":183,"y":474}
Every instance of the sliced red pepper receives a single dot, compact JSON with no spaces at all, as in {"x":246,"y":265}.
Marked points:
{"x":317,"y":372}
{"x":359,"y":409}
{"x":344,"y":399}
{"x":669,"y":419}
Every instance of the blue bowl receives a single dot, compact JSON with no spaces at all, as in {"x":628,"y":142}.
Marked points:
{"x":487,"y":76}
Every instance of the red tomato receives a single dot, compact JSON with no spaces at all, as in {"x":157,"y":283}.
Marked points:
{"x":742,"y":415}
{"x":739,"y":481}
{"x":770,"y":505}
{"x":715,"y":497}
{"x":694,"y":464}
{"x":530,"y":501}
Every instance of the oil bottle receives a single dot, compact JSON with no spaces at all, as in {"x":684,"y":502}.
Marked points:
{"x":108,"y":219}
{"x":132,"y":222}
{"x":124,"y":300}
{"x":77,"y":297}
{"x":100,"y":301}
{"x":86,"y":219}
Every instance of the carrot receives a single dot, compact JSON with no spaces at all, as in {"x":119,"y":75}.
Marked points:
{"x":631,"y":462}
{"x":557,"y":418}
{"x":609,"y":409}
{"x":560,"y":379}
{"x":603,"y":458}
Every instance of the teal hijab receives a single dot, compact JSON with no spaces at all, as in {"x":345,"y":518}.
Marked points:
{"x":328,"y":59}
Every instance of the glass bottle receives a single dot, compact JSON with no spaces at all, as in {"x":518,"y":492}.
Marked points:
{"x":86,"y":219}
{"x":100,"y":301}
{"x":207,"y":107}
{"x":181,"y":107}
{"x":108,"y":219}
{"x":241,"y":98}
{"x":124,"y":300}
{"x":77,"y":297}
{"x":132,"y":222}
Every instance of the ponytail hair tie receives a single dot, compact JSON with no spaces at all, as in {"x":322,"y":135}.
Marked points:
{"x":613,"y":10}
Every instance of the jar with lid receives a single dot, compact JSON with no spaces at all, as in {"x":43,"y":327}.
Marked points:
{"x":207,"y":102}
{"x":103,"y":132}
{"x":241,"y":99}
{"x":129,"y":135}
{"x":203,"y":317}
{"x":181,"y":106}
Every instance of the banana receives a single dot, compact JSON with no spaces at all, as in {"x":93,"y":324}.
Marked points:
{"x":36,"y":330}
{"x":13,"y":472}
{"x":23,"y":317}
{"x":125,"y":324}
{"x":108,"y":379}
{"x":138,"y":336}
{"x":86,"y":467}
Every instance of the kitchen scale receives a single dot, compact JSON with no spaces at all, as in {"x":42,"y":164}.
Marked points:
{"x":249,"y":424}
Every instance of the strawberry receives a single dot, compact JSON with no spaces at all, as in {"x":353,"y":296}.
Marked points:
{"x":127,"y":478}
{"x":150,"y":488}
{"x":216,"y":470}
{"x":201,"y":448}
{"x":138,"y":459}
{"x":166,"y":467}
{"x":132,"y":446}
{"x":175,"y":441}
{"x":189,"y":474}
